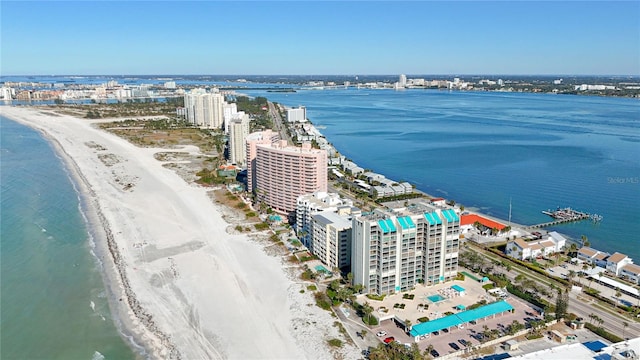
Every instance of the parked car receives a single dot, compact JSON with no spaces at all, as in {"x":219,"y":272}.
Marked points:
{"x":389,"y":340}
{"x":454,"y":346}
{"x":445,"y":330}
{"x":436,"y":333}
{"x":463,"y":342}
{"x":381,"y":333}
{"x":435,"y":353}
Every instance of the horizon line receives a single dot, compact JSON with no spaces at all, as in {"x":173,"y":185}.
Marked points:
{"x":344,"y":75}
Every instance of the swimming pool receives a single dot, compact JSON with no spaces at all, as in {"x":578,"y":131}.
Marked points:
{"x":435,"y":298}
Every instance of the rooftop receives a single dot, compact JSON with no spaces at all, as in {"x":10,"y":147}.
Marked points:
{"x":472,"y":218}
{"x":616,"y":257}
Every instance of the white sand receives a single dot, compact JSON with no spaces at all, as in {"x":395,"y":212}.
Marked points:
{"x":183,"y":286}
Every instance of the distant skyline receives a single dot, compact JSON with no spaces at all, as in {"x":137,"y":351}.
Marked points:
{"x":320,"y":37}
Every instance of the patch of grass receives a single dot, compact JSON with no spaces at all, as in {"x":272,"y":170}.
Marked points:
{"x":312,"y":288}
{"x":488,"y":286}
{"x":423,"y":319}
{"x":323,"y":301}
{"x":239,"y":228}
{"x":261,"y":226}
{"x":335,"y":342}
{"x":376,"y":297}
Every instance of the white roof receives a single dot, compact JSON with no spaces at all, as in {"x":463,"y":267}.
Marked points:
{"x":616,"y":284}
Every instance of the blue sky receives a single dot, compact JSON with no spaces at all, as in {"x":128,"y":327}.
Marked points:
{"x":307,"y":37}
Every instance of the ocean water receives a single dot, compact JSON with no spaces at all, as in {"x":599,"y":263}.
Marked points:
{"x":53,"y":302}
{"x":485,"y":149}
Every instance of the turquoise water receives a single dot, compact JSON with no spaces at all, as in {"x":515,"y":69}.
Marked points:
{"x":49,"y":277}
{"x":485,"y":149}
{"x":435,"y":298}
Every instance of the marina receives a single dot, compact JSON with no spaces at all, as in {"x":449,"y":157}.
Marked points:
{"x":566,"y":215}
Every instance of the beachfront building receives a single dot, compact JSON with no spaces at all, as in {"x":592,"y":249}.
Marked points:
{"x":252,"y":141}
{"x":309,"y":204}
{"x":522,"y":250}
{"x":396,"y":248}
{"x":282,"y":173}
{"x":229,"y":110}
{"x":631,"y":272}
{"x":298,"y":114}
{"x":238,"y":132}
{"x":593,"y":256}
{"x":331,"y":237}
{"x":616,"y":262}
{"x":204,"y":109}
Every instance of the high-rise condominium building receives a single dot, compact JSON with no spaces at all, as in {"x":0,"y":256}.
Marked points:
{"x":309,"y":204}
{"x":238,"y":132}
{"x":204,"y":109}
{"x":298,"y":114}
{"x":228,"y":112}
{"x":331,"y":238}
{"x":403,"y":80}
{"x":252,"y":141}
{"x":282,"y":173}
{"x":394,"y":250}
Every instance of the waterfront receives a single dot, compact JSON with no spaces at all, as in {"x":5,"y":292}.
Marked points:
{"x":483,"y":149}
{"x":52,"y":291}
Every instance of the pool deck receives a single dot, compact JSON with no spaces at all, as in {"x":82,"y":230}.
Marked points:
{"x":473,"y":293}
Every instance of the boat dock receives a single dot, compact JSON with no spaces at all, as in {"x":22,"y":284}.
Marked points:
{"x":565,"y":215}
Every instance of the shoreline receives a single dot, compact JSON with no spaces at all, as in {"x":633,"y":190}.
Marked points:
{"x":101,"y":240}
{"x":182,"y":283}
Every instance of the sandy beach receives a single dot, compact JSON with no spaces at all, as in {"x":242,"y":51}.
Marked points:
{"x":182,"y":283}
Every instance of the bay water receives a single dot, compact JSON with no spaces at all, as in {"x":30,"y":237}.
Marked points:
{"x":53,"y":303}
{"x":487,"y":149}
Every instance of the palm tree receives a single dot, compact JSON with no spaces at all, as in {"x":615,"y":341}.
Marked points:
{"x":407,"y":325}
{"x":367,"y":310}
{"x":571,"y":275}
{"x":624,"y":327}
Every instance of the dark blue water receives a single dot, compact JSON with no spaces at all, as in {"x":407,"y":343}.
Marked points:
{"x":482,"y":149}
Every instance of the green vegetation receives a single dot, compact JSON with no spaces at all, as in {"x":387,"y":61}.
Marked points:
{"x":604,"y":333}
{"x":423,"y":319}
{"x":397,"y":351}
{"x":477,"y":305}
{"x":488,"y":286}
{"x":376,"y":297}
{"x":323,"y":301}
{"x":335,"y":342}
{"x":261,"y":226}
{"x":312,"y":288}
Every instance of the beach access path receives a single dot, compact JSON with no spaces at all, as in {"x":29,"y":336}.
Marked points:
{"x":181,"y":281}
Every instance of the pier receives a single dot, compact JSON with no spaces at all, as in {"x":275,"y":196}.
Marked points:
{"x":563,"y":216}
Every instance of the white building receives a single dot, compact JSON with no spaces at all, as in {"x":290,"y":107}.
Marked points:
{"x":402,"y":81}
{"x":170,"y":85}
{"x":394,"y":250}
{"x":309,"y":204}
{"x":238,"y":132}
{"x":204,"y":109}
{"x":521,"y":250}
{"x":298,"y":114}
{"x":617,"y":261}
{"x":6,"y":93}
{"x":593,"y":256}
{"x":228,"y":111}
{"x":331,"y":238}
{"x":631,"y":272}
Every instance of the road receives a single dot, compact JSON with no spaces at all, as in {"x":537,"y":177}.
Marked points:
{"x":278,"y":122}
{"x":581,"y":307}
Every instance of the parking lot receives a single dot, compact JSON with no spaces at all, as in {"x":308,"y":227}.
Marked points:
{"x":455,"y":336}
